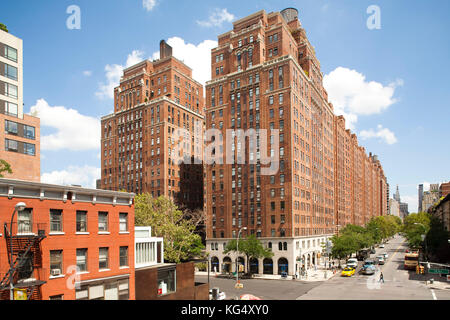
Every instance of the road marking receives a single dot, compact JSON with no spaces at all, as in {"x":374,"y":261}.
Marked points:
{"x":434,"y":295}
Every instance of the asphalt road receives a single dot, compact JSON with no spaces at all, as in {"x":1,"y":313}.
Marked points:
{"x":399,"y":284}
{"x":264,"y":289}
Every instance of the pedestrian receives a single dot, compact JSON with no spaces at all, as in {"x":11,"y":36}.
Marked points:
{"x":381,"y":277}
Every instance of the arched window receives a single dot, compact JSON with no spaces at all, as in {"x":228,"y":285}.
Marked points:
{"x":280,"y":246}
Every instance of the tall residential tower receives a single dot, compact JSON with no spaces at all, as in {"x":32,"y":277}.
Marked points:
{"x":141,"y":140}
{"x":266,"y":77}
{"x":19,"y":141}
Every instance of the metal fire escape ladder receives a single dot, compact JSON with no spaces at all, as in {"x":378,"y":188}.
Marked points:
{"x":4,"y":283}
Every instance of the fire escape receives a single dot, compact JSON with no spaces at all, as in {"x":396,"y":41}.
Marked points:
{"x":26,"y":264}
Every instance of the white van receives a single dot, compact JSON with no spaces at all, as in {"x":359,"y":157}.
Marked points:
{"x":352,"y":263}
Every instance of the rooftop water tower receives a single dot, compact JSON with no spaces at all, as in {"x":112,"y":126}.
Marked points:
{"x":289,"y":14}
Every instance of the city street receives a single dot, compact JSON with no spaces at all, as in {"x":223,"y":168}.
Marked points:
{"x":399,"y":284}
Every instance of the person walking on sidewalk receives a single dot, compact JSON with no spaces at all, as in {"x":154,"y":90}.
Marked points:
{"x":381,"y":277}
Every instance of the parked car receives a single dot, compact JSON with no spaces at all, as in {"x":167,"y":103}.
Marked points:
{"x":369,"y":269}
{"x":352,"y":263}
{"x":372,"y":251}
{"x":385,"y":256}
{"x":380,"y":259}
{"x":348,"y":272}
{"x":382,"y":245}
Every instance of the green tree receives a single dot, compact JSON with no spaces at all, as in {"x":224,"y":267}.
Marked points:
{"x":5,"y":167}
{"x":437,"y":241}
{"x":343,"y":246}
{"x":414,"y":226}
{"x":251,"y":247}
{"x":167,"y":221}
{"x":3,"y":27}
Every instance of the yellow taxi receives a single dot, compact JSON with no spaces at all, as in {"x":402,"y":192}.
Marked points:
{"x":348,"y":272}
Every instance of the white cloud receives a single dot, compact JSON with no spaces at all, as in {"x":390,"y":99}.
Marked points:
{"x":382,"y":133}
{"x":149,"y":4}
{"x":114,"y":72}
{"x":74,"y":131}
{"x":197,"y":57}
{"x":217,"y":18}
{"x":352,"y":95}
{"x":87,"y":73}
{"x":85,"y":176}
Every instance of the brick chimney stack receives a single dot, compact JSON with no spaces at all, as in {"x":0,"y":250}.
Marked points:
{"x":165,"y":50}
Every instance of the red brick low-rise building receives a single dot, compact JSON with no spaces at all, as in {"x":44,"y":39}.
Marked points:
{"x":71,"y":243}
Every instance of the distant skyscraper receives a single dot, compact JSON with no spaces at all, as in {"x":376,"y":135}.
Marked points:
{"x":397,"y":195}
{"x":420,"y":197}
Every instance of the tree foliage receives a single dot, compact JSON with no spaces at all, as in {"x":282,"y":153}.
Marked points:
{"x":414,"y":226}
{"x":167,"y":221}
{"x":353,"y":238}
{"x":3,"y":27}
{"x":5,"y":167}
{"x":250,"y":246}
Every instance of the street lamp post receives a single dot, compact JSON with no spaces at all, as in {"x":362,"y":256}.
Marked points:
{"x":18,"y":208}
{"x":424,"y":239}
{"x":237,"y":255}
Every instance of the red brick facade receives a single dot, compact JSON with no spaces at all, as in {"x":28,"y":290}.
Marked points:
{"x":25,"y":162}
{"x":265,"y":75}
{"x":40,"y":200}
{"x":139,"y":141}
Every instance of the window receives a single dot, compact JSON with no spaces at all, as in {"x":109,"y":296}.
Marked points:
{"x":103,"y":221}
{"x":10,"y":72}
{"x":11,"y":127}
{"x":10,"y":90}
{"x":29,"y":132}
{"x":24,"y":221}
{"x":123,"y":254}
{"x":11,"y":109}
{"x":56,"y":265}
{"x":166,"y":281}
{"x":29,"y":149}
{"x":10,"y":53}
{"x":82,"y":260}
{"x":58,"y":297}
{"x":56,"y":220}
{"x":123,"y":221}
{"x":103,"y":258}
{"x":81,"y":221}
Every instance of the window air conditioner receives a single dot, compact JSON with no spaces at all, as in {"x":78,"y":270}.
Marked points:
{"x":56,"y":272}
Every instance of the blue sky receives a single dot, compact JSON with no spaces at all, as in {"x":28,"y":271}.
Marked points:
{"x":403,"y":67}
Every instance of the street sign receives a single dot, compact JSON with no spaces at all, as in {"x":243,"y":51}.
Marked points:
{"x":439,"y":271}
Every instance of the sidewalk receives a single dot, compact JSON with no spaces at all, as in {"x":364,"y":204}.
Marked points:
{"x":312,"y":275}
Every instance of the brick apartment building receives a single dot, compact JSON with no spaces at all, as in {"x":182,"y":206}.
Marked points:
{"x":20,"y":139}
{"x":140,"y":142}
{"x":63,"y":228}
{"x":265,"y":75}
{"x":444,"y":189}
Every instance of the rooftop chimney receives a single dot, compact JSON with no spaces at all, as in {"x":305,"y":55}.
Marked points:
{"x":164,"y":50}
